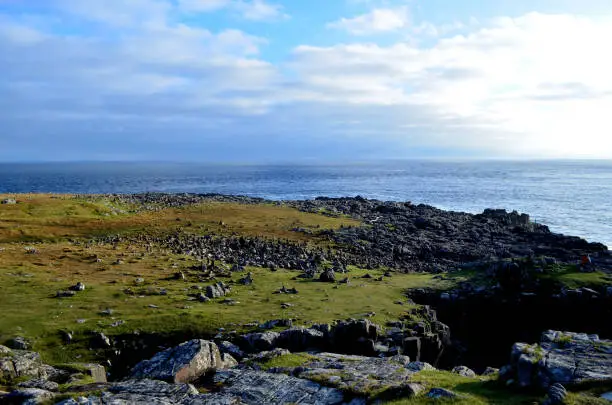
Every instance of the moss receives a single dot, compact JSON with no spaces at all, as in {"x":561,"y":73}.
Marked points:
{"x":9,"y":382}
{"x":585,"y":398}
{"x":85,"y":380}
{"x":73,"y":367}
{"x":563,"y":340}
{"x":477,"y":390}
{"x":536,"y":352}
{"x":287,"y":361}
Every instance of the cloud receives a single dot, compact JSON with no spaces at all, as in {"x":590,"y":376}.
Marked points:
{"x":120,"y":13}
{"x":485,"y":88}
{"x":145,"y":83}
{"x":255,"y":10}
{"x":378,"y":20}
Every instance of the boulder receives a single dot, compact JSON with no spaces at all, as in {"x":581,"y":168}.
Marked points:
{"x":261,"y":341}
{"x":355,"y":337}
{"x":301,"y":339}
{"x":328,"y":276}
{"x":97,"y":372}
{"x":16,"y":364}
{"x":40,"y":384}
{"x":412,"y":348}
{"x":464,"y":371}
{"x":256,"y":387}
{"x":561,"y":357}
{"x":65,"y":294}
{"x":28,"y":396}
{"x":181,"y":364}
{"x":269,"y":355}
{"x":441,"y":393}
{"x":247,"y":280}
{"x":490,"y":371}
{"x":230,"y":348}
{"x":143,"y":392}
{"x":78,"y":287}
{"x":417,"y":366}
{"x":556,"y":395}
{"x":274,"y":323}
{"x":19,"y":343}
{"x":228,"y":361}
{"x":217,"y":290}
{"x":202,"y":298}
{"x":359,"y":374}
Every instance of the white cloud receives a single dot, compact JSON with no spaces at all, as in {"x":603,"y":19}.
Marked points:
{"x":204,"y":5}
{"x":537,"y":85}
{"x":256,"y":10}
{"x":377,"y":21}
{"x":118,"y":12}
{"x":259,"y":10}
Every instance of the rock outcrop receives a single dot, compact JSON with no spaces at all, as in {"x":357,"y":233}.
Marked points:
{"x":423,"y":340}
{"x":359,"y":374}
{"x":561,"y":357}
{"x":28,"y":396}
{"x":256,"y":387}
{"x":182,"y":364}
{"x":217,"y":290}
{"x":141,"y":392}
{"x":20,"y":364}
{"x":399,"y":235}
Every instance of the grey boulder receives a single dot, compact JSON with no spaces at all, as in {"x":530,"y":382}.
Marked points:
{"x":255,"y":387}
{"x":464,"y":371}
{"x":182,"y":364}
{"x":20,"y":364}
{"x":28,"y":396}
{"x":561,"y":357}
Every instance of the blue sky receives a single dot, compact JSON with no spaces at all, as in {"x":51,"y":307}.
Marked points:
{"x":265,"y":80}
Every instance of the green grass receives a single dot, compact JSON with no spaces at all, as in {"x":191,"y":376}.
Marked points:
{"x":576,"y":279}
{"x":471,"y":391}
{"x":287,"y":361}
{"x":585,"y":399}
{"x":563,"y":340}
{"x":29,"y":308}
{"x":28,"y":282}
{"x":43,"y":217}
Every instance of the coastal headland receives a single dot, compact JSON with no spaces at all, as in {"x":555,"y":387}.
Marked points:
{"x":331,"y":300}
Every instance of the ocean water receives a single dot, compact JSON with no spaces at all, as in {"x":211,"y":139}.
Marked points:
{"x":572,"y":197}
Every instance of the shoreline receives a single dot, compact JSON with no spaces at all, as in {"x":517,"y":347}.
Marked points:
{"x":111,"y":278}
{"x":261,"y":199}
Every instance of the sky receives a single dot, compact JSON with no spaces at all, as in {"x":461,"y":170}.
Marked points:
{"x":304,"y":80}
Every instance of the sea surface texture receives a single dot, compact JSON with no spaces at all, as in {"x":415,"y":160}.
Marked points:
{"x":572,"y":197}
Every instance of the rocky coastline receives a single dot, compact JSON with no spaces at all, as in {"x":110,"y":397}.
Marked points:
{"x":500,"y":318}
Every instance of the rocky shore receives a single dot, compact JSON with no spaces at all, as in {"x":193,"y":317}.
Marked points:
{"x":491,"y":327}
{"x":202,"y":372}
{"x":401,"y":236}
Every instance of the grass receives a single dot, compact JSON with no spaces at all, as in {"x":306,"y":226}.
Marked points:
{"x":44,"y":217}
{"x":563,"y":340}
{"x":575,"y":279}
{"x":28,"y":282}
{"x":292,"y":360}
{"x":565,"y":275}
{"x":470,"y":391}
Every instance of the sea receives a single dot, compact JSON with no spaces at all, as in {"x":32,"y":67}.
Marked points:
{"x":571,"y":197}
